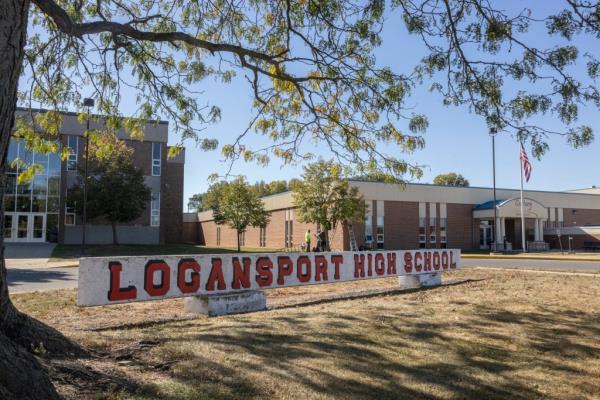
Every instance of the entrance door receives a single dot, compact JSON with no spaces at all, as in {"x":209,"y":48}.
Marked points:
{"x":25,"y":227}
{"x":21,"y":227}
{"x":37,"y":229}
{"x":485,"y":235}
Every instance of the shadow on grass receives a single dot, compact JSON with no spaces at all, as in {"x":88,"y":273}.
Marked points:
{"x":386,"y":354}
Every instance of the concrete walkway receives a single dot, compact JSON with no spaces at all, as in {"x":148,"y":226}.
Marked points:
{"x":32,"y":255}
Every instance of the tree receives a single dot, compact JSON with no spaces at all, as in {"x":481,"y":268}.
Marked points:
{"x":451,"y":179}
{"x":239,"y":207}
{"x":195,"y":202}
{"x":325,"y":197}
{"x":209,"y":200}
{"x":117,"y":192}
{"x":311,"y":68}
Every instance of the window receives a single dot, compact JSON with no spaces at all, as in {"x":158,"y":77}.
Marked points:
{"x":380,"y":224}
{"x":218,"y":235}
{"x":263,"y":237}
{"x":443,"y":226}
{"x":242,"y":238}
{"x":70,"y":207}
{"x":432,"y":225}
{"x":72,"y":142}
{"x":155,"y":209}
{"x":368,"y":222}
{"x":289,"y":228}
{"x":156,"y":147}
{"x":422,"y":220}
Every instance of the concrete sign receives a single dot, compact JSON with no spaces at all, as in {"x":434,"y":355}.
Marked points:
{"x":112,"y":280}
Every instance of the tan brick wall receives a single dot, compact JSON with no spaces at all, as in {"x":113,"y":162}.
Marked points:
{"x":581,"y":217}
{"x":576,"y":244}
{"x":401,"y":228}
{"x":460,"y":226}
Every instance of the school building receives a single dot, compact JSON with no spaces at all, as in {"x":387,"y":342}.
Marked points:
{"x":428,"y":216}
{"x":41,"y":210}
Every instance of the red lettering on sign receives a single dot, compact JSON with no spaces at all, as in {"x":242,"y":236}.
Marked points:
{"x":241,"y":273}
{"x":337,"y":261}
{"x":115,"y":292}
{"x":408,"y":262}
{"x":436,"y":261}
{"x":165,"y":278}
{"x":379,"y":264}
{"x":359,"y":265}
{"x":303,"y":276}
{"x":264,"y":275}
{"x":321,"y":268}
{"x":216,"y":275}
{"x":183,"y":266}
{"x":285,"y":267}
{"x":444,"y":259}
{"x":370,"y":263}
{"x":418,"y":257}
{"x":391,"y":264}
{"x":452,"y":262}
{"x":427,"y":266}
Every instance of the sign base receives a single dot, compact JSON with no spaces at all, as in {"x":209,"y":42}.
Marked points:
{"x":224,"y":304}
{"x":415,"y":281}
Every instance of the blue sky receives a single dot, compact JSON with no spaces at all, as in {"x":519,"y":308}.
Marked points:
{"x":456,"y":141}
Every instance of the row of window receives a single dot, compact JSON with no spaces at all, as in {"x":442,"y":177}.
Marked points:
{"x":73,"y":145}
{"x":429,"y":225}
{"x":71,"y":206}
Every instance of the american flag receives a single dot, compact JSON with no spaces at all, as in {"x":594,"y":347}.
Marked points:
{"x":525,"y":164}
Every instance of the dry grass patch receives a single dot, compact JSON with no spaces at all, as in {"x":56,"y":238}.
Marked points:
{"x":505,"y":334}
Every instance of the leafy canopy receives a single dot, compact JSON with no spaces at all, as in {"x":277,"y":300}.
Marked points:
{"x":451,"y":179}
{"x":325,"y":197}
{"x":210,"y":199}
{"x":239,"y":207}
{"x":312,"y":71}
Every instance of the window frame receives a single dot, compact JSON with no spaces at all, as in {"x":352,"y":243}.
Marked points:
{"x":157,"y":162}
{"x":154,"y":212}
{"x":73,"y":153}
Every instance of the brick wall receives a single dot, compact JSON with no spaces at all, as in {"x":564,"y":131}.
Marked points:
{"x":460,"y":226}
{"x":190,"y":233}
{"x":172,"y":202}
{"x":581,"y":217}
{"x":401,"y":227}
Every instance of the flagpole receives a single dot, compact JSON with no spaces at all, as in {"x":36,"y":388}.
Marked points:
{"x":523,"y":241}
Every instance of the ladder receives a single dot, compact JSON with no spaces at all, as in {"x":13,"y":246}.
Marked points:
{"x":353,"y":245}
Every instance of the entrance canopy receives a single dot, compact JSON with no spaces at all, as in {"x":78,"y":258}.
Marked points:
{"x":511,"y":208}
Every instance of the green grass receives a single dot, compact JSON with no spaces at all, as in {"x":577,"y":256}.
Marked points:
{"x":64,"y":252}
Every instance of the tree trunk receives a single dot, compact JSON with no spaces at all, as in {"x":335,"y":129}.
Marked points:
{"x":114,"y":232}
{"x":21,"y":373}
{"x":238,"y":240}
{"x":325,"y":246}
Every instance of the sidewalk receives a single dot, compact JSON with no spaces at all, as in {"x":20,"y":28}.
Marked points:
{"x":33,"y":255}
{"x":548,"y":255}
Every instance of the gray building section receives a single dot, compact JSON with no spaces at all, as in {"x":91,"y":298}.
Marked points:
{"x":102,"y":234}
{"x":40,"y":211}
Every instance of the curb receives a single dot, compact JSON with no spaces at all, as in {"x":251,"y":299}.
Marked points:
{"x":484,"y":257}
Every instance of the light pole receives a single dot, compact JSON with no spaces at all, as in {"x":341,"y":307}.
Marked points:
{"x":493,"y":133}
{"x":87,"y":102}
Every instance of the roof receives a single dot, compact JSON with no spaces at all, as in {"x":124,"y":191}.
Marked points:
{"x":488,"y":205}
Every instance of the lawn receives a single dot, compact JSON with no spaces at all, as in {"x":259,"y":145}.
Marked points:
{"x":492,"y":334}
{"x":64,"y":252}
